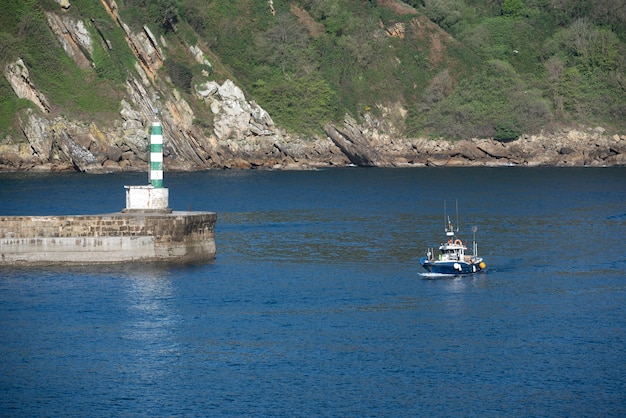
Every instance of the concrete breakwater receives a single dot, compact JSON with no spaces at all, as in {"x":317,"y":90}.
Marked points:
{"x":110,"y":238}
{"x":146,"y":230}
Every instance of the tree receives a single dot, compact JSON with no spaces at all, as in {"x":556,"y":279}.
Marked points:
{"x":301,"y":103}
{"x":494,"y":103}
{"x":555,"y":68}
{"x":285,"y":45}
{"x":445,"y":13}
{"x":512,"y":7}
{"x":588,"y":46}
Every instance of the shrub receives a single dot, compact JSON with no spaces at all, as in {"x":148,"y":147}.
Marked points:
{"x":495,"y":103}
{"x":180,"y":74}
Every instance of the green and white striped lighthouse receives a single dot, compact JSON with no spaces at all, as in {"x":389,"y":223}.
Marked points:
{"x":156,"y":155}
{"x":153,"y":197}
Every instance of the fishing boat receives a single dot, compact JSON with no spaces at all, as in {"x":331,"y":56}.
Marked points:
{"x":452,"y":258}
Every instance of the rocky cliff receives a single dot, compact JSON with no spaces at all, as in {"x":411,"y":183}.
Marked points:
{"x":242,"y":134}
{"x":366,"y":146}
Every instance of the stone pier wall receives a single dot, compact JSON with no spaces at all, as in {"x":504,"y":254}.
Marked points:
{"x":110,"y":238}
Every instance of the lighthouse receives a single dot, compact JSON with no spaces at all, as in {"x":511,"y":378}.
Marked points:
{"x":153,"y":197}
{"x":146,"y":230}
{"x":156,"y":155}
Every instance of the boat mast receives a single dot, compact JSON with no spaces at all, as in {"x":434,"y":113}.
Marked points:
{"x":457,"y":215}
{"x":449,"y":228}
{"x":475,"y":245}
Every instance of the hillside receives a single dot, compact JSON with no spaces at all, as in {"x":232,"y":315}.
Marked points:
{"x":311,"y":83}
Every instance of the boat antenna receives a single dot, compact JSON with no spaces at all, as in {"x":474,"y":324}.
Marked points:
{"x":475,"y":249}
{"x":457,"y":215}
{"x":449,"y":228}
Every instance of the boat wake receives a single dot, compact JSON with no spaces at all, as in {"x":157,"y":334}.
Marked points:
{"x":431,"y":275}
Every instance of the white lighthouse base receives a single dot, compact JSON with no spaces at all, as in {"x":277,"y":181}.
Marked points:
{"x":147,"y":199}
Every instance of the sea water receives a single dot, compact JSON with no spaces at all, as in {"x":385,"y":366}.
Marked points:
{"x":316,"y":304}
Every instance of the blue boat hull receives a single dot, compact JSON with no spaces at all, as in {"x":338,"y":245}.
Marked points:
{"x":450,"y":267}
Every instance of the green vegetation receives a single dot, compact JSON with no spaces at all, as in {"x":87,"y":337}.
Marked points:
{"x":460,"y":68}
{"x":93,"y":94}
{"x":496,"y":103}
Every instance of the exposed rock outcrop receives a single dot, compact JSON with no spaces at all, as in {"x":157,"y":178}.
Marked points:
{"x":74,"y":38}
{"x":19,"y":77}
{"x":234,"y":116}
{"x":65,"y":4}
{"x":354,"y":144}
{"x":590,"y":147}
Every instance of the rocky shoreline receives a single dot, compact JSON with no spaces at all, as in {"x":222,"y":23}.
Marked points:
{"x":568,"y":147}
{"x":243,"y":136}
{"x":60,"y":146}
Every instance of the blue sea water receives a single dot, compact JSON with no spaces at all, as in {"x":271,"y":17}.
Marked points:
{"x":316,"y":306}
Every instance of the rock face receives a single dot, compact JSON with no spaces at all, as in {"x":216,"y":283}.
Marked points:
{"x":74,"y":38}
{"x":241,"y":133}
{"x":234,"y":116}
{"x":352,"y":142}
{"x":582,"y":147}
{"x":19,"y":77}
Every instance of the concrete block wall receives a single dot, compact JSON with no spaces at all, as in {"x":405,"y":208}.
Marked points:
{"x":117,"y":237}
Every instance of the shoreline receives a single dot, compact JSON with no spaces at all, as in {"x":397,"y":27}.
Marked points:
{"x":568,"y":148}
{"x":303,"y":167}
